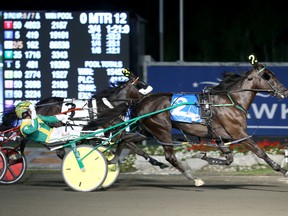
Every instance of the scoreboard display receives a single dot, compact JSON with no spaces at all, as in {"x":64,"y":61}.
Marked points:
{"x":61,"y":54}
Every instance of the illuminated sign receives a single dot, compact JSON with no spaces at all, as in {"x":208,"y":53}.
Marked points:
{"x":61,"y":54}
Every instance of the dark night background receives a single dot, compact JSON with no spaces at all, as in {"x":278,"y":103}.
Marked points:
{"x":225,"y":31}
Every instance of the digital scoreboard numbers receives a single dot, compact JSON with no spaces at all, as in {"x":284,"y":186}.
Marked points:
{"x":62,"y":54}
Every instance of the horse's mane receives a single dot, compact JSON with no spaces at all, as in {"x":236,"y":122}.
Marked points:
{"x":229,"y":80}
{"x":161,"y":94}
{"x":105,"y":93}
{"x":107,"y":116}
{"x":154,"y":96}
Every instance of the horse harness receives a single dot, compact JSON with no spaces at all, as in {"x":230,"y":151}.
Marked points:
{"x":206,"y":112}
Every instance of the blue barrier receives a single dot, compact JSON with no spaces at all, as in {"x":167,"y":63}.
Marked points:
{"x":267,"y":115}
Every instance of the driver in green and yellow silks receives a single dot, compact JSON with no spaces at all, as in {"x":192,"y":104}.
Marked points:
{"x":35,"y":127}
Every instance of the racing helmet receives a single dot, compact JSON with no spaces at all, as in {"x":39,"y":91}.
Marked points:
{"x":22,"y":108}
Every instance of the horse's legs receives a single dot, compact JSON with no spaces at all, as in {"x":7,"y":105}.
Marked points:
{"x":160,"y":126}
{"x":226,"y":152}
{"x":123,"y":140}
{"x":132,"y":146}
{"x":252,"y":146}
{"x":117,"y":153}
{"x":171,"y":158}
{"x":127,"y":141}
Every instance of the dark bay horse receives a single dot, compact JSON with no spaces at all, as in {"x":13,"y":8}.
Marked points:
{"x":226,"y":123}
{"x":224,"y":109}
{"x":127,"y":93}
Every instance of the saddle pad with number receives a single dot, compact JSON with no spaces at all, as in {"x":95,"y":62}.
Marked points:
{"x":87,"y":110}
{"x":185,"y":113}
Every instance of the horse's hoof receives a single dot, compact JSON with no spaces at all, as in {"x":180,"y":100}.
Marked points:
{"x":113,"y":161}
{"x":198,"y":182}
{"x":286,"y":174}
{"x":163,"y":166}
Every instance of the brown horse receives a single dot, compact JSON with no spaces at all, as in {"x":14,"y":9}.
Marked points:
{"x":127,"y":93}
{"x":223,"y":115}
{"x":226,"y":106}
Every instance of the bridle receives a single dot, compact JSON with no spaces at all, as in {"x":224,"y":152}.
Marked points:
{"x":267,"y":78}
{"x":135,"y":82}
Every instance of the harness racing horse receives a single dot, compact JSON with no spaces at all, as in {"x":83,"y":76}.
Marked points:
{"x":226,"y":106}
{"x":228,"y":103}
{"x":127,"y":93}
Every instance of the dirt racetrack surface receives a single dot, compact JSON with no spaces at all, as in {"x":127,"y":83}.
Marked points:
{"x":45,"y":193}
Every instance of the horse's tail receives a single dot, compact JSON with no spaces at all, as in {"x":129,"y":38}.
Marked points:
{"x":9,"y":119}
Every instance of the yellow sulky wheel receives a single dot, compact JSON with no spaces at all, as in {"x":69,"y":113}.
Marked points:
{"x":113,"y":169}
{"x":95,"y":173}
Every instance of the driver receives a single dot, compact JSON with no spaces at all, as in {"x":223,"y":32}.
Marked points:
{"x":35,"y":127}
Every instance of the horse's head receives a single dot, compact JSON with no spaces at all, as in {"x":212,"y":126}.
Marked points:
{"x":142,"y":87}
{"x":267,"y":79}
{"x":129,"y":92}
{"x":118,"y":100}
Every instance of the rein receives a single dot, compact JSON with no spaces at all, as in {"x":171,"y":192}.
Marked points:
{"x":70,"y":110}
{"x":135,"y":81}
{"x":232,"y":104}
{"x":254,"y":90}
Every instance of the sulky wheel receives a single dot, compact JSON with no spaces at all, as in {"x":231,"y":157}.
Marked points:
{"x":3,"y":164}
{"x":16,"y":165}
{"x":113,"y":169}
{"x":95,"y":165}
